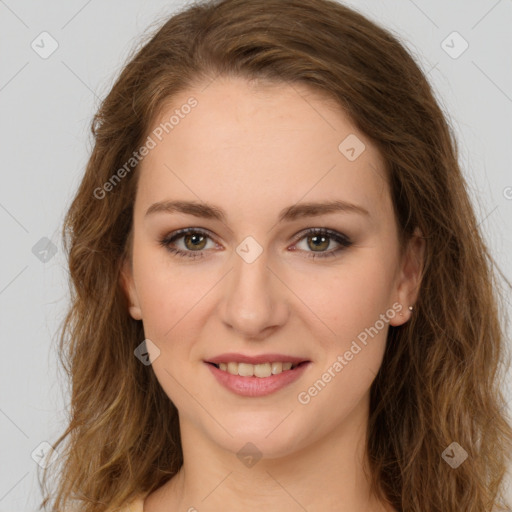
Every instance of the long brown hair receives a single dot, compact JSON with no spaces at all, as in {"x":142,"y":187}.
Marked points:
{"x":442,"y":374}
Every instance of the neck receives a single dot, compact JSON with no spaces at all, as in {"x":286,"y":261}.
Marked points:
{"x":328,"y":474}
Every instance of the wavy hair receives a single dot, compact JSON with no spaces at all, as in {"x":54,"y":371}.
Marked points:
{"x":442,"y":374}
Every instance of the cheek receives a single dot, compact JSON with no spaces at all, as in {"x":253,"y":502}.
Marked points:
{"x":350,"y":297}
{"x":351,"y":302}
{"x":170,"y":296}
{"x":172,"y":302}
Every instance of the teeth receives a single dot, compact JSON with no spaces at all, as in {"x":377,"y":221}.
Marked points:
{"x":262,"y":370}
{"x":277,"y":368}
{"x":245,"y":370}
{"x":257,"y":370}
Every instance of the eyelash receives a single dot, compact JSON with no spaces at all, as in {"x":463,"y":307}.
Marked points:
{"x":340,"y":238}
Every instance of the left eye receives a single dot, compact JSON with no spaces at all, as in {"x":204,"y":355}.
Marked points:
{"x":195,"y":241}
{"x":320,"y":238}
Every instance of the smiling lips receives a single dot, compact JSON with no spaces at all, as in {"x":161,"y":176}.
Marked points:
{"x":256,"y":375}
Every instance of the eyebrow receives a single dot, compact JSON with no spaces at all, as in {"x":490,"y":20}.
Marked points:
{"x":296,"y":211}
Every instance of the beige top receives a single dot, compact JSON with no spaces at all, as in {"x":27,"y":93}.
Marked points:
{"x":135,"y":506}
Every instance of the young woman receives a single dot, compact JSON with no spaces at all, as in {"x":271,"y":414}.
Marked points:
{"x":281,"y":297}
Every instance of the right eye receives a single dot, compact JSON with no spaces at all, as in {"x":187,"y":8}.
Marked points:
{"x":194,"y":242}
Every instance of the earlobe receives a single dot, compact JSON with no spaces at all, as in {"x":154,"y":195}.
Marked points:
{"x":403,"y":316}
{"x":135,"y":312}
{"x":128,"y":286}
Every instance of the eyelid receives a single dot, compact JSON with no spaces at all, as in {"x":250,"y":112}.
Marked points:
{"x":321,"y":231}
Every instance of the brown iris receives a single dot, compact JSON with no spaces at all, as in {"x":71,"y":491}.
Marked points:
{"x":322,"y":245}
{"x":196,"y":240}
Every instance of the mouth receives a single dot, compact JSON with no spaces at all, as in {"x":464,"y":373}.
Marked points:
{"x":256,"y":376}
{"x":261,"y":370}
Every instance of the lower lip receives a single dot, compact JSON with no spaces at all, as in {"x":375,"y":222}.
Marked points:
{"x":257,"y":386}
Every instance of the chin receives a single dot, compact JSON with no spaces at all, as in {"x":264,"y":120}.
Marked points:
{"x":268,"y":439}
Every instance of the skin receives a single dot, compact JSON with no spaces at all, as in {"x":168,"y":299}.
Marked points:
{"x":253,"y":149}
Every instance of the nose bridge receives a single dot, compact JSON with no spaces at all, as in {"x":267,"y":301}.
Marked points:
{"x":252,"y":302}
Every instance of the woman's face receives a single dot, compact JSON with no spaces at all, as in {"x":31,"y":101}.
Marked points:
{"x":251,"y":169}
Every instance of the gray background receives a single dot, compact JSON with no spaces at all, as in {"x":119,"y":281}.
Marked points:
{"x":46,"y":107}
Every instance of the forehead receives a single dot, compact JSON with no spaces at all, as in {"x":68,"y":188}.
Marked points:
{"x":254,"y":141}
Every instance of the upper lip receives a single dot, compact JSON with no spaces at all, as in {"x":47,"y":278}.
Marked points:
{"x":259,"y":359}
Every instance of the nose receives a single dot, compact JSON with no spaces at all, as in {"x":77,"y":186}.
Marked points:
{"x":254,"y":303}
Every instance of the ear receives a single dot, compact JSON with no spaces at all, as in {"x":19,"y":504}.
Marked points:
{"x":128,"y":286}
{"x":409,"y":277}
